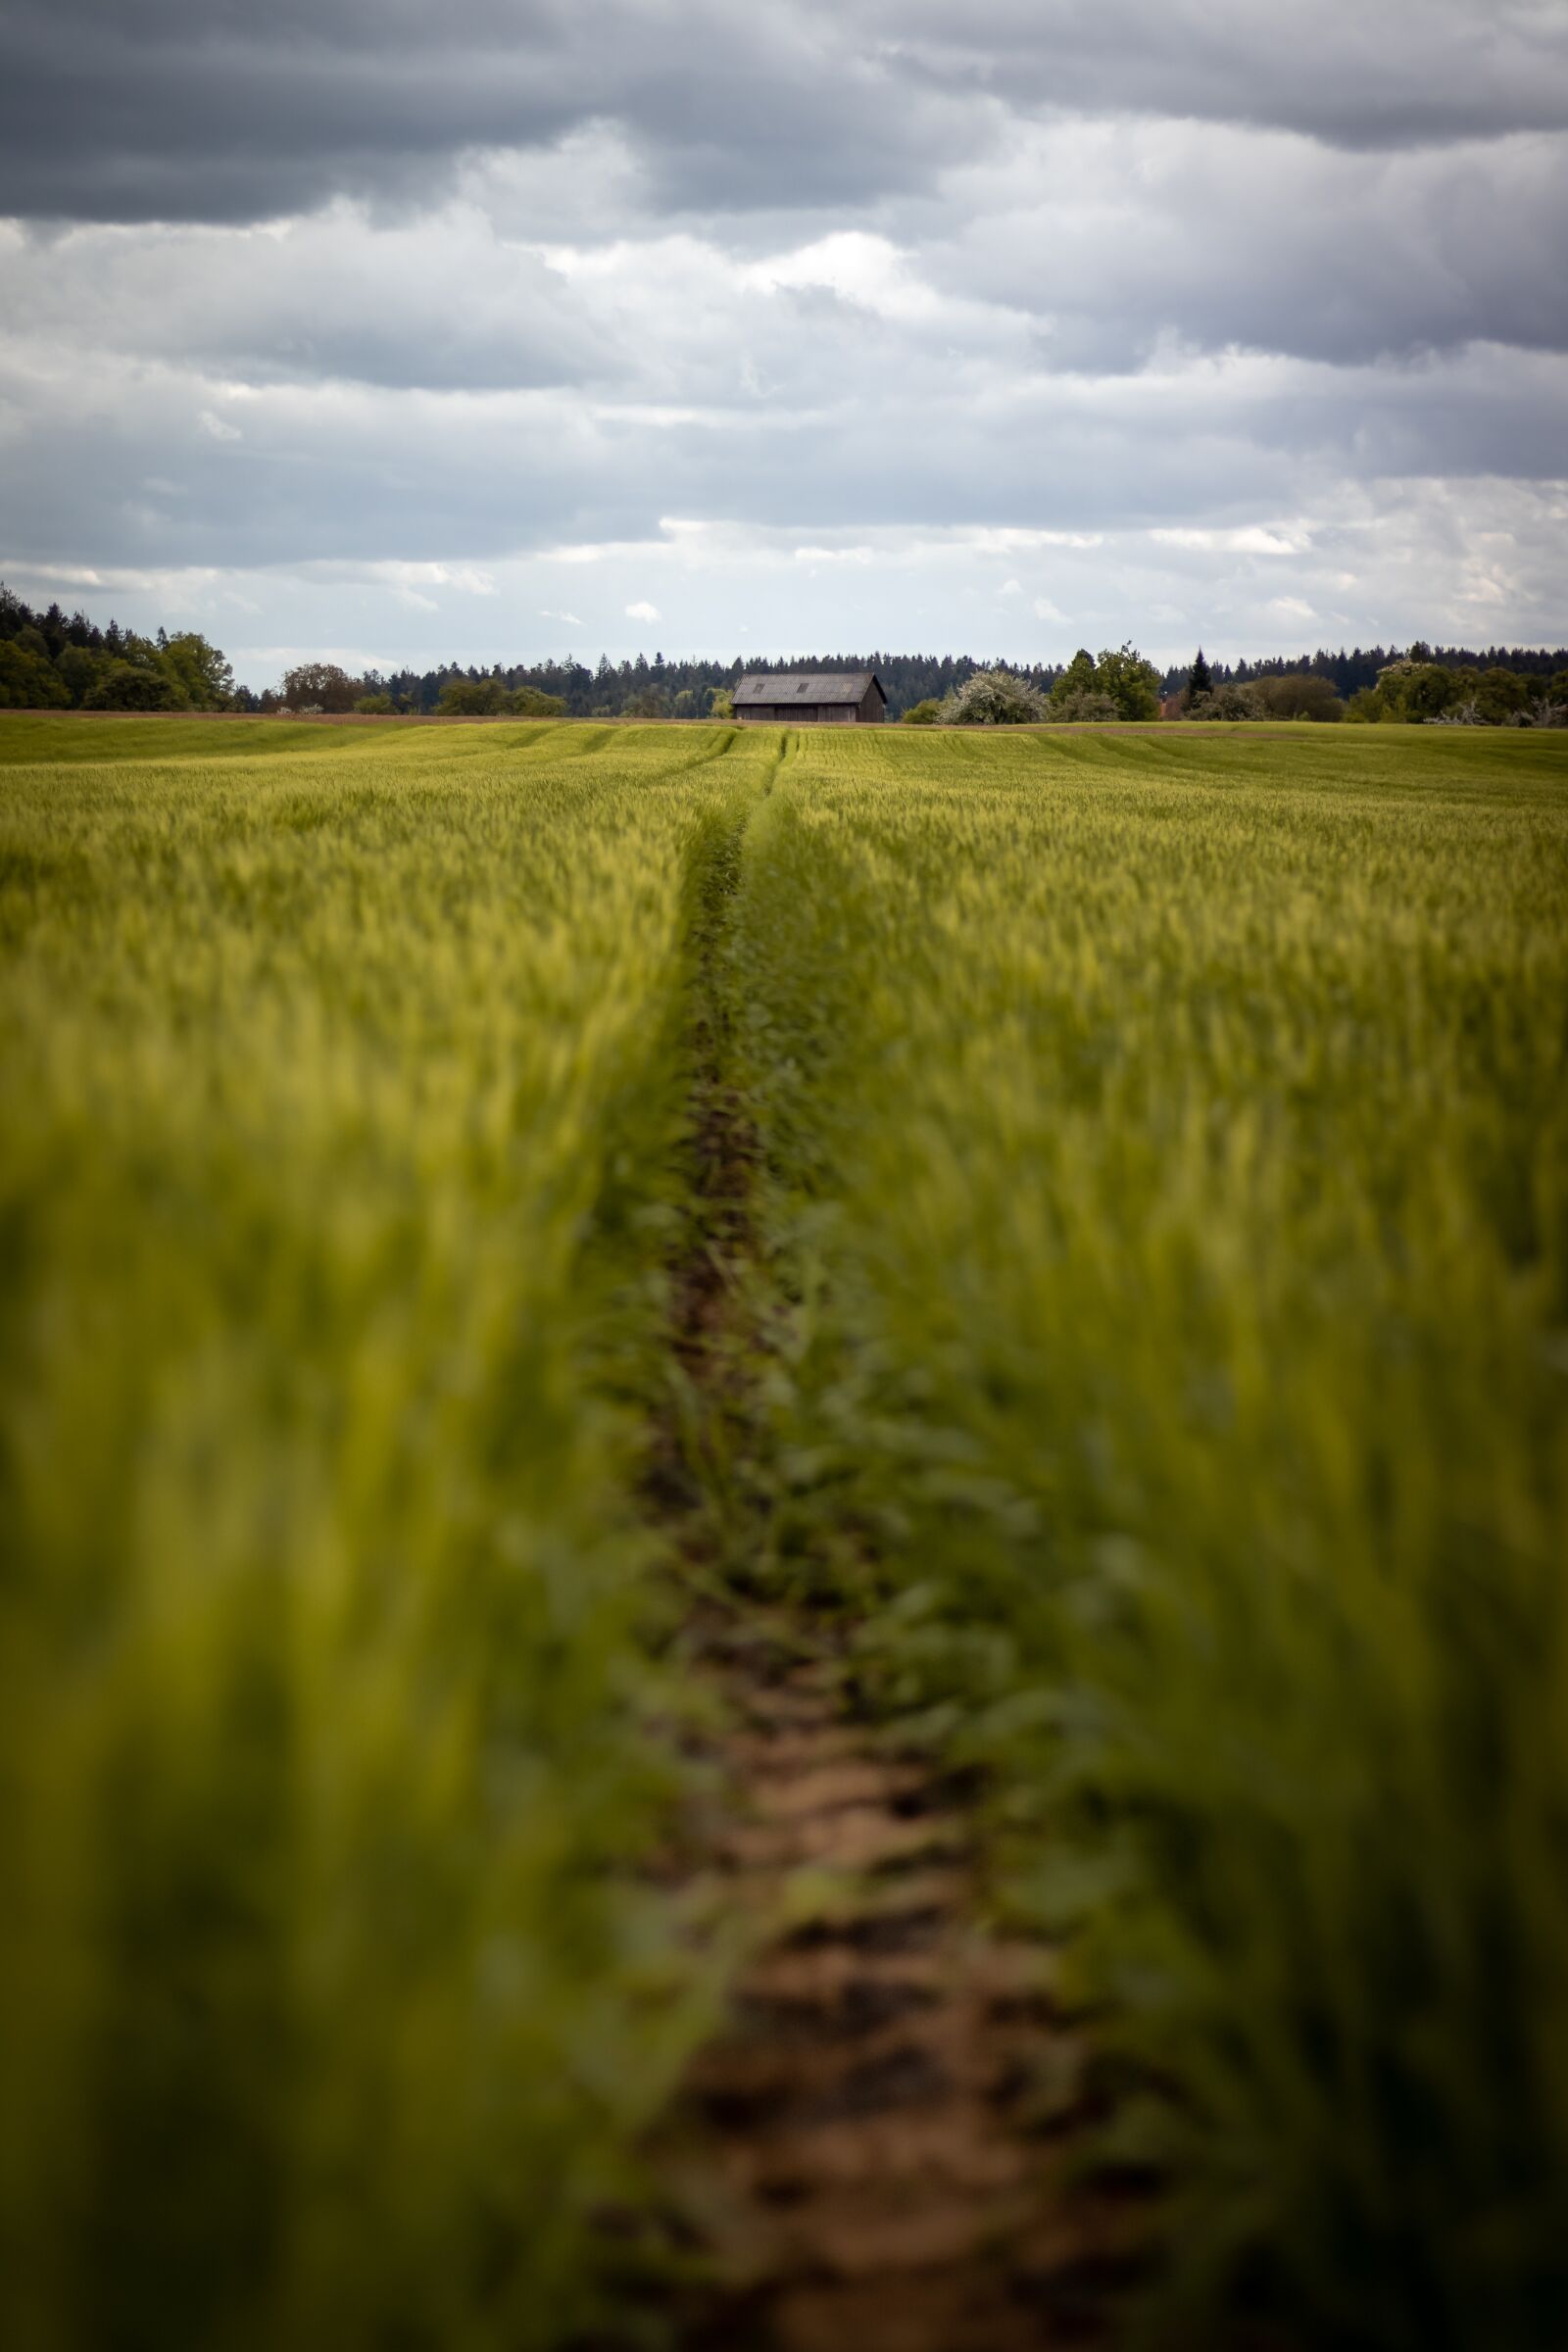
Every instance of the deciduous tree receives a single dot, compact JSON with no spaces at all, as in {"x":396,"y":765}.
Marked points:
{"x":319,"y":686}
{"x":994,"y":697}
{"x":1131,"y":683}
{"x":135,"y":686}
{"x":200,"y":670}
{"x":1501,"y":695}
{"x":29,"y":681}
{"x":1077,"y":678}
{"x":1298,"y":694}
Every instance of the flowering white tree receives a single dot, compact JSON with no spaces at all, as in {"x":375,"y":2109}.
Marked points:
{"x":994,"y":698}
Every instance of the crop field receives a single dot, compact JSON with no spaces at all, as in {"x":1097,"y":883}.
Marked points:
{"x":1140,"y":1243}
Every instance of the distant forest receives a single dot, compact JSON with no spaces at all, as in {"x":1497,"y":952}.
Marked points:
{"x":49,"y":658}
{"x":660,"y":689}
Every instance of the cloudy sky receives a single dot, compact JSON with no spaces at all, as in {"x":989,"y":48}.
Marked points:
{"x":513,"y":327}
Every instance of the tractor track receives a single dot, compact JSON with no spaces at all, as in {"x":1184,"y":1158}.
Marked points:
{"x":875,"y":2152}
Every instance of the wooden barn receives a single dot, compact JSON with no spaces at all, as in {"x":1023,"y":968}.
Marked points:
{"x":852,"y":697}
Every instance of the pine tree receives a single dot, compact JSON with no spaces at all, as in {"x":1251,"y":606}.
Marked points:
{"x":1201,"y":680}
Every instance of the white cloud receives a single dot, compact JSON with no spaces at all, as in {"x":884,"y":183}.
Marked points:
{"x":1252,"y":539}
{"x":465,"y":579}
{"x":643,"y":611}
{"x":866,"y":270}
{"x":216,"y":429}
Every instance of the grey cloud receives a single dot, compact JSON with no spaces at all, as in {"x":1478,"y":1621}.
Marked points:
{"x":462,"y":289}
{"x":1226,"y":238}
{"x":189,"y":112}
{"x":128,"y":468}
{"x":437,"y":303}
{"x":183,"y":109}
{"x":182,"y":113}
{"x":1402,"y":73}
{"x":1091,"y":249}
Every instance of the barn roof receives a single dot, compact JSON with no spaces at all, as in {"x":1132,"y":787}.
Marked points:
{"x":810,"y":686}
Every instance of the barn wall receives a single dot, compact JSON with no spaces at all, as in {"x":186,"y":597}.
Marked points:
{"x":870,"y":711}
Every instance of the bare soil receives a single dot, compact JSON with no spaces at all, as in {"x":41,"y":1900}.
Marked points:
{"x":889,"y":2127}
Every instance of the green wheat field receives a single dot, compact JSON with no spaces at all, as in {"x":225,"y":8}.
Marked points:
{"x":1163,"y":1195}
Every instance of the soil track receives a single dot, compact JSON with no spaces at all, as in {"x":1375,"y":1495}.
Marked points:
{"x":884,"y":2134}
{"x":876,"y":2184}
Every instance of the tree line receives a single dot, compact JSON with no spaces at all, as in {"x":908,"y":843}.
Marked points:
{"x":1417,"y":688}
{"x":52,"y":661}
{"x":1357,"y":671}
{"x":637,"y":688}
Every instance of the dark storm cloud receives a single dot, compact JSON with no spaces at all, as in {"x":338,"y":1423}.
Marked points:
{"x":1359,"y":74}
{"x":187,"y":110}
{"x":182,"y":112}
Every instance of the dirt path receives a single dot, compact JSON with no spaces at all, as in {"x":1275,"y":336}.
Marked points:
{"x":876,"y":2182}
{"x":877,"y":2149}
